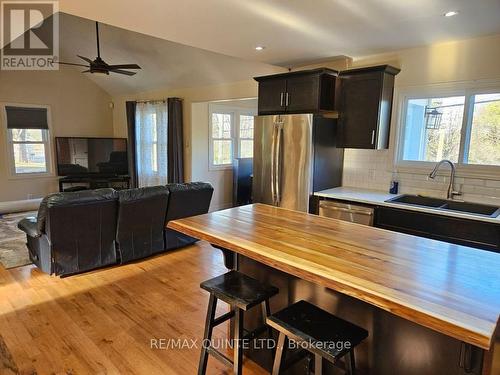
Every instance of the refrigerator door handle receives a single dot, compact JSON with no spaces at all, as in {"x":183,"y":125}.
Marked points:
{"x":273,"y":165}
{"x":279,"y":162}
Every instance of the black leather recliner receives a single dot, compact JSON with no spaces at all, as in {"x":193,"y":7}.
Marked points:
{"x":73,"y":232}
{"x":188,"y":199}
{"x":141,"y":221}
{"x":80,"y":231}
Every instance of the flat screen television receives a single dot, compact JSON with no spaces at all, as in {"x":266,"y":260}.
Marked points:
{"x":78,"y":156}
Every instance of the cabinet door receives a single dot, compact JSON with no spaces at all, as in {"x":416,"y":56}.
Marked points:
{"x":359,"y":111}
{"x":272,"y":96}
{"x":302,"y":94}
{"x":465,"y":232}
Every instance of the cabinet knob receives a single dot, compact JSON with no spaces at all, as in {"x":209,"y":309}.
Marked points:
{"x":282,"y":95}
{"x":373,"y":137}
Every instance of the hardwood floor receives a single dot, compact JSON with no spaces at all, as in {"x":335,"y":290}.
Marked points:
{"x":103,"y":322}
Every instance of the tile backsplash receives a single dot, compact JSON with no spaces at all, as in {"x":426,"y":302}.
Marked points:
{"x":373,"y":170}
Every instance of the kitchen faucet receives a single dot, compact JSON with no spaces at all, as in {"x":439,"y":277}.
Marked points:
{"x":451,"y":193}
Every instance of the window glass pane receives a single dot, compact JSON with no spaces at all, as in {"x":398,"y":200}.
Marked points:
{"x":246,"y":148}
{"x":221,"y":125}
{"x":30,"y":135}
{"x":154,"y":127}
{"x":246,"y":126}
{"x":432,"y":128}
{"x":223,"y":152}
{"x":29,"y":158}
{"x":154,"y":157}
{"x":485,"y":133}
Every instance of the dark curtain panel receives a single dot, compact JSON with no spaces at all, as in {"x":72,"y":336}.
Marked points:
{"x":175,"y":141}
{"x":132,"y":165}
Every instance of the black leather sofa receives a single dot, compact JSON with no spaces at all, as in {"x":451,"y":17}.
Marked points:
{"x":81,"y":231}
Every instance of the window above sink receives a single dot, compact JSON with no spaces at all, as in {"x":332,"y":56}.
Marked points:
{"x":459,"y":123}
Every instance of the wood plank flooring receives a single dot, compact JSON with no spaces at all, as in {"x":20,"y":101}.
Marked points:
{"x":103,"y":322}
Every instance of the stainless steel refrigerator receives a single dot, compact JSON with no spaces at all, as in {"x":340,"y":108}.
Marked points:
{"x":294,"y":156}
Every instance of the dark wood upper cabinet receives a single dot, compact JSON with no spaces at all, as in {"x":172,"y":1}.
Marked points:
{"x":272,"y":96}
{"x":307,"y":91}
{"x":365,"y":106}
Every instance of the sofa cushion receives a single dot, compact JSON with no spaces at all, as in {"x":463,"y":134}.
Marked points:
{"x":185,"y":200}
{"x":188,"y":199}
{"x":81,"y":228}
{"x":71,"y":198}
{"x":141,"y":220}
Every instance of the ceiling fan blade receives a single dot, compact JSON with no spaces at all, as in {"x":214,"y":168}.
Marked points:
{"x":124,"y":66}
{"x":119,"y":71}
{"x":85,"y":58}
{"x":66,"y":63}
{"x":86,"y":71}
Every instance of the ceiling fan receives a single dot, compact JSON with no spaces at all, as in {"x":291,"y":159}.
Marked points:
{"x":100,"y":66}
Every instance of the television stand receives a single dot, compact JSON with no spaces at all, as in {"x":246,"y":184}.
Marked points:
{"x":90,"y":182}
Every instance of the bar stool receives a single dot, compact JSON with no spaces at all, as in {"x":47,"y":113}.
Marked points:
{"x":242,"y":293}
{"x":318,"y":332}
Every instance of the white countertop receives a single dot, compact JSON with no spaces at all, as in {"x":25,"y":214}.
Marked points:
{"x":376,"y":197}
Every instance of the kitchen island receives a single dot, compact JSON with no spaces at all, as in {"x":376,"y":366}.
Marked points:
{"x":444,"y":299}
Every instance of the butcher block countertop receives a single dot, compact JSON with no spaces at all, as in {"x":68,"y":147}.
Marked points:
{"x":449,"y":288}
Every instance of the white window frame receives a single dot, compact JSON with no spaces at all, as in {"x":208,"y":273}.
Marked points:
{"x":238,"y":129}
{"x":9,"y":149}
{"x":235,"y":133}
{"x":467,"y":89}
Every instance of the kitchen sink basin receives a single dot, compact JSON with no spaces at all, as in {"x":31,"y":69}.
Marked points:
{"x":418,"y":200}
{"x":447,"y":205}
{"x":472,"y":208}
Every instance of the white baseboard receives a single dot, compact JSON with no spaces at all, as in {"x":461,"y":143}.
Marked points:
{"x":20,"y":206}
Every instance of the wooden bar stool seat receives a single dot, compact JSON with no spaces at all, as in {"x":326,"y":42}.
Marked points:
{"x":317,"y":331}
{"x":242,"y":293}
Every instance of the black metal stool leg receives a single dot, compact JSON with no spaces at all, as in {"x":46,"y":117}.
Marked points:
{"x":238,"y":344}
{"x":350,"y":363}
{"x":207,"y":336}
{"x":280,"y":351}
{"x":266,"y":312}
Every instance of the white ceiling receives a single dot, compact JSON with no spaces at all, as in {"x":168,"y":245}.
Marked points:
{"x":165,"y":64}
{"x":296,"y":30}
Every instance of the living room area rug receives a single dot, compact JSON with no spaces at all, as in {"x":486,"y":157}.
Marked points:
{"x":13,"y":251}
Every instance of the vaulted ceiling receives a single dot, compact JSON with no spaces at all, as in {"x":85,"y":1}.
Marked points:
{"x":296,"y":30}
{"x":165,"y":64}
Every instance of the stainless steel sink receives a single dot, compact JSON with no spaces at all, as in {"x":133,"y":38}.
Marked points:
{"x":447,"y":205}
{"x":473,"y":208}
{"x":418,"y":200}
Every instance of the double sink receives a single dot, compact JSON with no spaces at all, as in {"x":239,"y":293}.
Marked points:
{"x":447,"y":205}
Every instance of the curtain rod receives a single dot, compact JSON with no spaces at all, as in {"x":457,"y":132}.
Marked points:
{"x":152,"y":101}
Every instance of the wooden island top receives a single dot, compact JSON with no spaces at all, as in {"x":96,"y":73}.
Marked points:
{"x":449,"y":288}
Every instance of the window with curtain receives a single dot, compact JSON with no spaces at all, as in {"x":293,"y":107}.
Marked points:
{"x":151,"y":143}
{"x":28,"y":140}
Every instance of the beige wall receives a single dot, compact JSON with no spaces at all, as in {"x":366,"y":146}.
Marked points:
{"x":195,"y":109}
{"x":471,"y":61}
{"x":78,"y":108}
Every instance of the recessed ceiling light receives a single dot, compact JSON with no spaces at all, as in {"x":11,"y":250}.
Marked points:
{"x":451,"y":13}
{"x":259,"y":48}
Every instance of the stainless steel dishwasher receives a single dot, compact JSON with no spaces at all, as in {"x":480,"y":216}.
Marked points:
{"x":346,"y":212}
